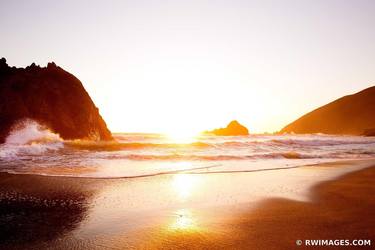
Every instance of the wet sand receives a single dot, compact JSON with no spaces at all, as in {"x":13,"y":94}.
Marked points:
{"x":341,"y":209}
{"x":38,"y":209}
{"x":39,"y":212}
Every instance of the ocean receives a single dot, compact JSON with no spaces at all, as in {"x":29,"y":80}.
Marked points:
{"x":35,"y":150}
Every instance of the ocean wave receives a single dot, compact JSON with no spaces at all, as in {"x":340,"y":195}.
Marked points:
{"x":14,"y":151}
{"x":237,"y":143}
{"x":28,"y":137}
{"x":195,"y":157}
{"x":30,"y":143}
{"x":116,"y":146}
{"x":321,"y":142}
{"x":28,"y":132}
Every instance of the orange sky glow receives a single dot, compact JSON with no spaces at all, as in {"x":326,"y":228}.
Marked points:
{"x":186,"y":66}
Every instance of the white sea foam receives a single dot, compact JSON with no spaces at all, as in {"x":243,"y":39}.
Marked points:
{"x":28,"y":137}
{"x":29,"y":131}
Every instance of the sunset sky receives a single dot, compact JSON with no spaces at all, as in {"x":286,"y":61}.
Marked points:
{"x":162,"y":66}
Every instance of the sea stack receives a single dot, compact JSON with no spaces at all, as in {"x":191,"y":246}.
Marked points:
{"x":351,"y":115}
{"x":234,"y":128}
{"x":52,"y":97}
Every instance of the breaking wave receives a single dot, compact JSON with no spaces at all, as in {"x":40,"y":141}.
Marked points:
{"x":28,"y":137}
{"x":29,"y":132}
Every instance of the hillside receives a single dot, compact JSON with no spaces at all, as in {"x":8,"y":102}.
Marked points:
{"x":352,"y":114}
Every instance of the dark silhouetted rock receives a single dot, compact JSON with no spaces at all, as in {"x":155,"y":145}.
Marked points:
{"x":352,"y":115}
{"x":234,"y":128}
{"x":52,"y":97}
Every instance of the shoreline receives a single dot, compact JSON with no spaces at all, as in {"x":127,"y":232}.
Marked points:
{"x":39,"y":211}
{"x":190,"y":171}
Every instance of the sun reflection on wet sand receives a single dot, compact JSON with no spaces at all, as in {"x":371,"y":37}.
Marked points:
{"x":184,"y":185}
{"x":183,"y":220}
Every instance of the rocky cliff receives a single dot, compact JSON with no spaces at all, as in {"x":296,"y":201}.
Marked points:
{"x":234,"y":128}
{"x":352,"y":115}
{"x":52,"y":97}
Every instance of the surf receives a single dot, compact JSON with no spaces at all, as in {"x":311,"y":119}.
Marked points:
{"x":33,"y":148}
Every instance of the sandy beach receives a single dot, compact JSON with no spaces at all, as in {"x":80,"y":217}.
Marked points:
{"x":262,"y":210}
